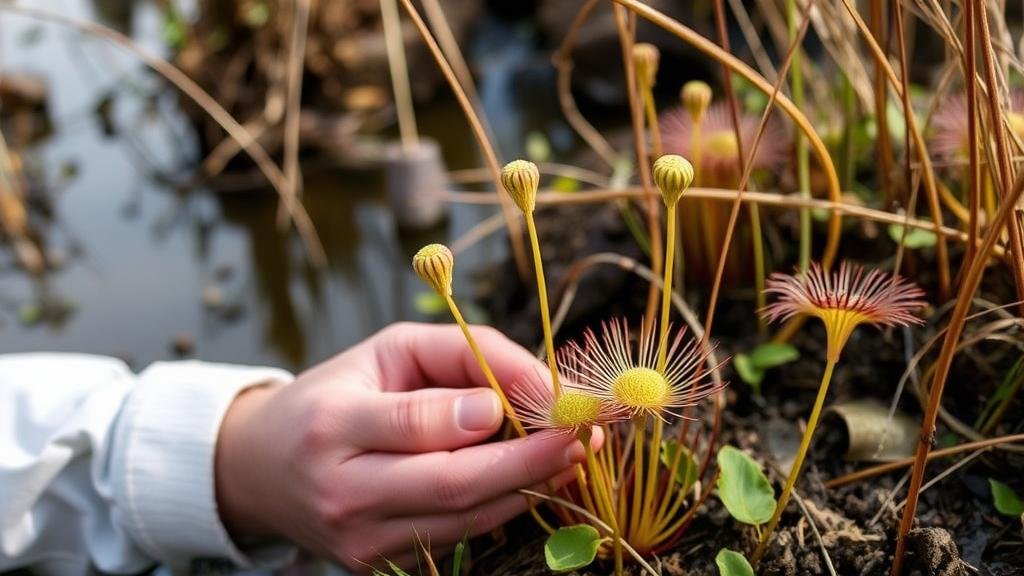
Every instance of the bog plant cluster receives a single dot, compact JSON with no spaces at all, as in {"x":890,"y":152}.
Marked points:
{"x":639,"y":492}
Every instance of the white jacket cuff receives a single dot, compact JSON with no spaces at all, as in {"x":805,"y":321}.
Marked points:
{"x":164,"y":462}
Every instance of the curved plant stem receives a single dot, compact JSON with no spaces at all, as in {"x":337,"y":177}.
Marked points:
{"x":484,"y":366}
{"x":801,"y":453}
{"x":490,"y":156}
{"x":542,"y":296}
{"x":880,"y":469}
{"x":562,"y":61}
{"x":956,"y":325}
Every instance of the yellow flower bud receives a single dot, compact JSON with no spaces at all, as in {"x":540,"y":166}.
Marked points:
{"x":696,"y":96}
{"x":673,"y":175}
{"x":521,"y":179}
{"x":645,"y":60}
{"x":433,"y":263}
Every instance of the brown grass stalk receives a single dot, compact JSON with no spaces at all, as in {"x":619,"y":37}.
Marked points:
{"x":490,"y":156}
{"x":957,"y":321}
{"x":927,"y":172}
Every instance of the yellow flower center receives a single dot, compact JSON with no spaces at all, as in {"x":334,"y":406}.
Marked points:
{"x":641,"y":388}
{"x":573,"y":409}
{"x":721,"y":143}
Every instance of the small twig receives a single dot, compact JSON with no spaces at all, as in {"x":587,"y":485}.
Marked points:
{"x":893,"y":466}
{"x":814,"y":529}
{"x":399,"y":73}
{"x":938,"y":478}
{"x":292,"y":120}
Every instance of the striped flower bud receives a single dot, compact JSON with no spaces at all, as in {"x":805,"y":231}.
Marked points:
{"x":521,"y":180}
{"x":433,"y":263}
{"x":673,"y":175}
{"x":696,"y":96}
{"x":645,"y":60}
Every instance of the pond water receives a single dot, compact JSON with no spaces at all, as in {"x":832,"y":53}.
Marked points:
{"x":148,"y":262}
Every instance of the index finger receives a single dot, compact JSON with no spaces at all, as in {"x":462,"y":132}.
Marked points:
{"x":412,"y":356}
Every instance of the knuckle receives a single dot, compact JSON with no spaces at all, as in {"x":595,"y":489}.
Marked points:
{"x":406,"y":419}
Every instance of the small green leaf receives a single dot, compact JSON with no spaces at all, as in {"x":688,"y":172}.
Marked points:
{"x":748,"y":372}
{"x":1006,"y":500}
{"x":771,"y":354}
{"x":685,"y":473}
{"x":398,"y":571}
{"x":916,"y":237}
{"x":565,"y":184}
{"x":743,"y":488}
{"x":460,"y":549}
{"x":572,"y":547}
{"x":538,"y":148}
{"x":429,"y":303}
{"x":731,"y":563}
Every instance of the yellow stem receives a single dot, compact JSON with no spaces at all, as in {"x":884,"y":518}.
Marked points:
{"x":654,"y":453}
{"x":794,"y":472}
{"x":666,"y":290}
{"x":542,"y":295}
{"x":605,"y":500}
{"x":488,"y":374}
{"x":584,"y":486}
{"x":652,"y":121}
{"x":640,"y":426}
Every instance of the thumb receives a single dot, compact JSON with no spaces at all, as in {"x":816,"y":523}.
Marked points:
{"x":426,"y":420}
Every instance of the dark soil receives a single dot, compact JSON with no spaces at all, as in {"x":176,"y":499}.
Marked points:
{"x":957,"y":532}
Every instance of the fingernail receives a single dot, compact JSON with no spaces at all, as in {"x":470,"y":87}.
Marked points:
{"x":575,"y":454}
{"x":478,"y":411}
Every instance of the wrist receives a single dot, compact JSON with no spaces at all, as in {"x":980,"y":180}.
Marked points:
{"x":238,"y":473}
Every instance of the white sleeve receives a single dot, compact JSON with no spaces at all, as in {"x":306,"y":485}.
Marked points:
{"x":101,"y":467}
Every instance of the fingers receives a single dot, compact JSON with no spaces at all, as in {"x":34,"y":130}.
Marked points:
{"x":426,"y":420}
{"x":396,"y":539}
{"x":441,"y":482}
{"x":419,"y":355}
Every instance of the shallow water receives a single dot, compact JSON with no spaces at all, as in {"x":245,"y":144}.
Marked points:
{"x":142,"y":255}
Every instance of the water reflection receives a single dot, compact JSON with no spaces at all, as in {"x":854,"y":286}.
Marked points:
{"x":162,"y":267}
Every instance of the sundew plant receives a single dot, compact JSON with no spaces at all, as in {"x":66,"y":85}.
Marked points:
{"x":771,"y":170}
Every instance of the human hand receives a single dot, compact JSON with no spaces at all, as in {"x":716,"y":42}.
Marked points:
{"x":364,"y":451}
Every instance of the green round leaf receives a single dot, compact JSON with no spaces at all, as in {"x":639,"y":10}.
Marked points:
{"x":743,"y":488}
{"x":915,"y":238}
{"x":747,"y":371}
{"x":685,"y":473}
{"x":572,"y":547}
{"x":771,"y":354}
{"x":1006,"y":500}
{"x":731,"y":563}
